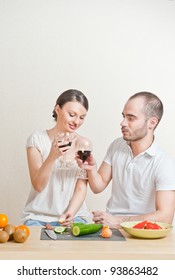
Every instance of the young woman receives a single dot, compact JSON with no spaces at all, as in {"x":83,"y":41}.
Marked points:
{"x":56,"y":194}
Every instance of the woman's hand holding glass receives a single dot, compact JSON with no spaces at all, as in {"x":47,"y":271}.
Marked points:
{"x":64,"y":141}
{"x":60,"y":145}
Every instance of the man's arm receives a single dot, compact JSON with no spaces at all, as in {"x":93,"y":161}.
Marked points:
{"x":165,"y":207}
{"x":98,"y":180}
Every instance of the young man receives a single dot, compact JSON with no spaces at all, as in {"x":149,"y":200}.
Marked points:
{"x":142,"y":174}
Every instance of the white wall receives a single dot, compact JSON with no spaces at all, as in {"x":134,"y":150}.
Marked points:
{"x":109,"y":49}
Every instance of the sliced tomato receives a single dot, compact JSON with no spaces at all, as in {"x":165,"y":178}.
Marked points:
{"x":140,"y":225}
{"x":150,"y":225}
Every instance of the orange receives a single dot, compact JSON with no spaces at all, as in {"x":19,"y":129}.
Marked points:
{"x":25,"y":228}
{"x":3,"y":220}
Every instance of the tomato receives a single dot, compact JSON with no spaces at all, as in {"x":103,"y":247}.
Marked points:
{"x":152,"y":226}
{"x":147,"y":225}
{"x":3,"y":220}
{"x":140,"y":225}
{"x":25,"y":228}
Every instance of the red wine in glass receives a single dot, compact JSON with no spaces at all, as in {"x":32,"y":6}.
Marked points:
{"x":84,"y":149}
{"x":64,"y":140}
{"x":65,"y":145}
{"x":84,"y":155}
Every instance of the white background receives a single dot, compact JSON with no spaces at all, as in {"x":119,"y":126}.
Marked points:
{"x":109,"y":49}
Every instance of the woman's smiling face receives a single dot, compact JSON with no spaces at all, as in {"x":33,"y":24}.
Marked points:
{"x":71,"y":116}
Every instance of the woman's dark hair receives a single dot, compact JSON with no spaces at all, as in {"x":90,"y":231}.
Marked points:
{"x":68,"y":96}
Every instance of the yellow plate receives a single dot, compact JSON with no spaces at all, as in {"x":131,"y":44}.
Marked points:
{"x":146,"y":233}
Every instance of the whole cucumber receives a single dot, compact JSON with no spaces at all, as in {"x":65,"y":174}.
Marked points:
{"x":83,"y":229}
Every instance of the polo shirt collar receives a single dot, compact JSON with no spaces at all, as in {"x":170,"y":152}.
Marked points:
{"x":152,"y":150}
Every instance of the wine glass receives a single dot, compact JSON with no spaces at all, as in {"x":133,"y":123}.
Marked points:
{"x":65,"y":138}
{"x":84,"y":149}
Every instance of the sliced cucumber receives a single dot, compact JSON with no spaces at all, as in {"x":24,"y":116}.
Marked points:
{"x":60,"y":229}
